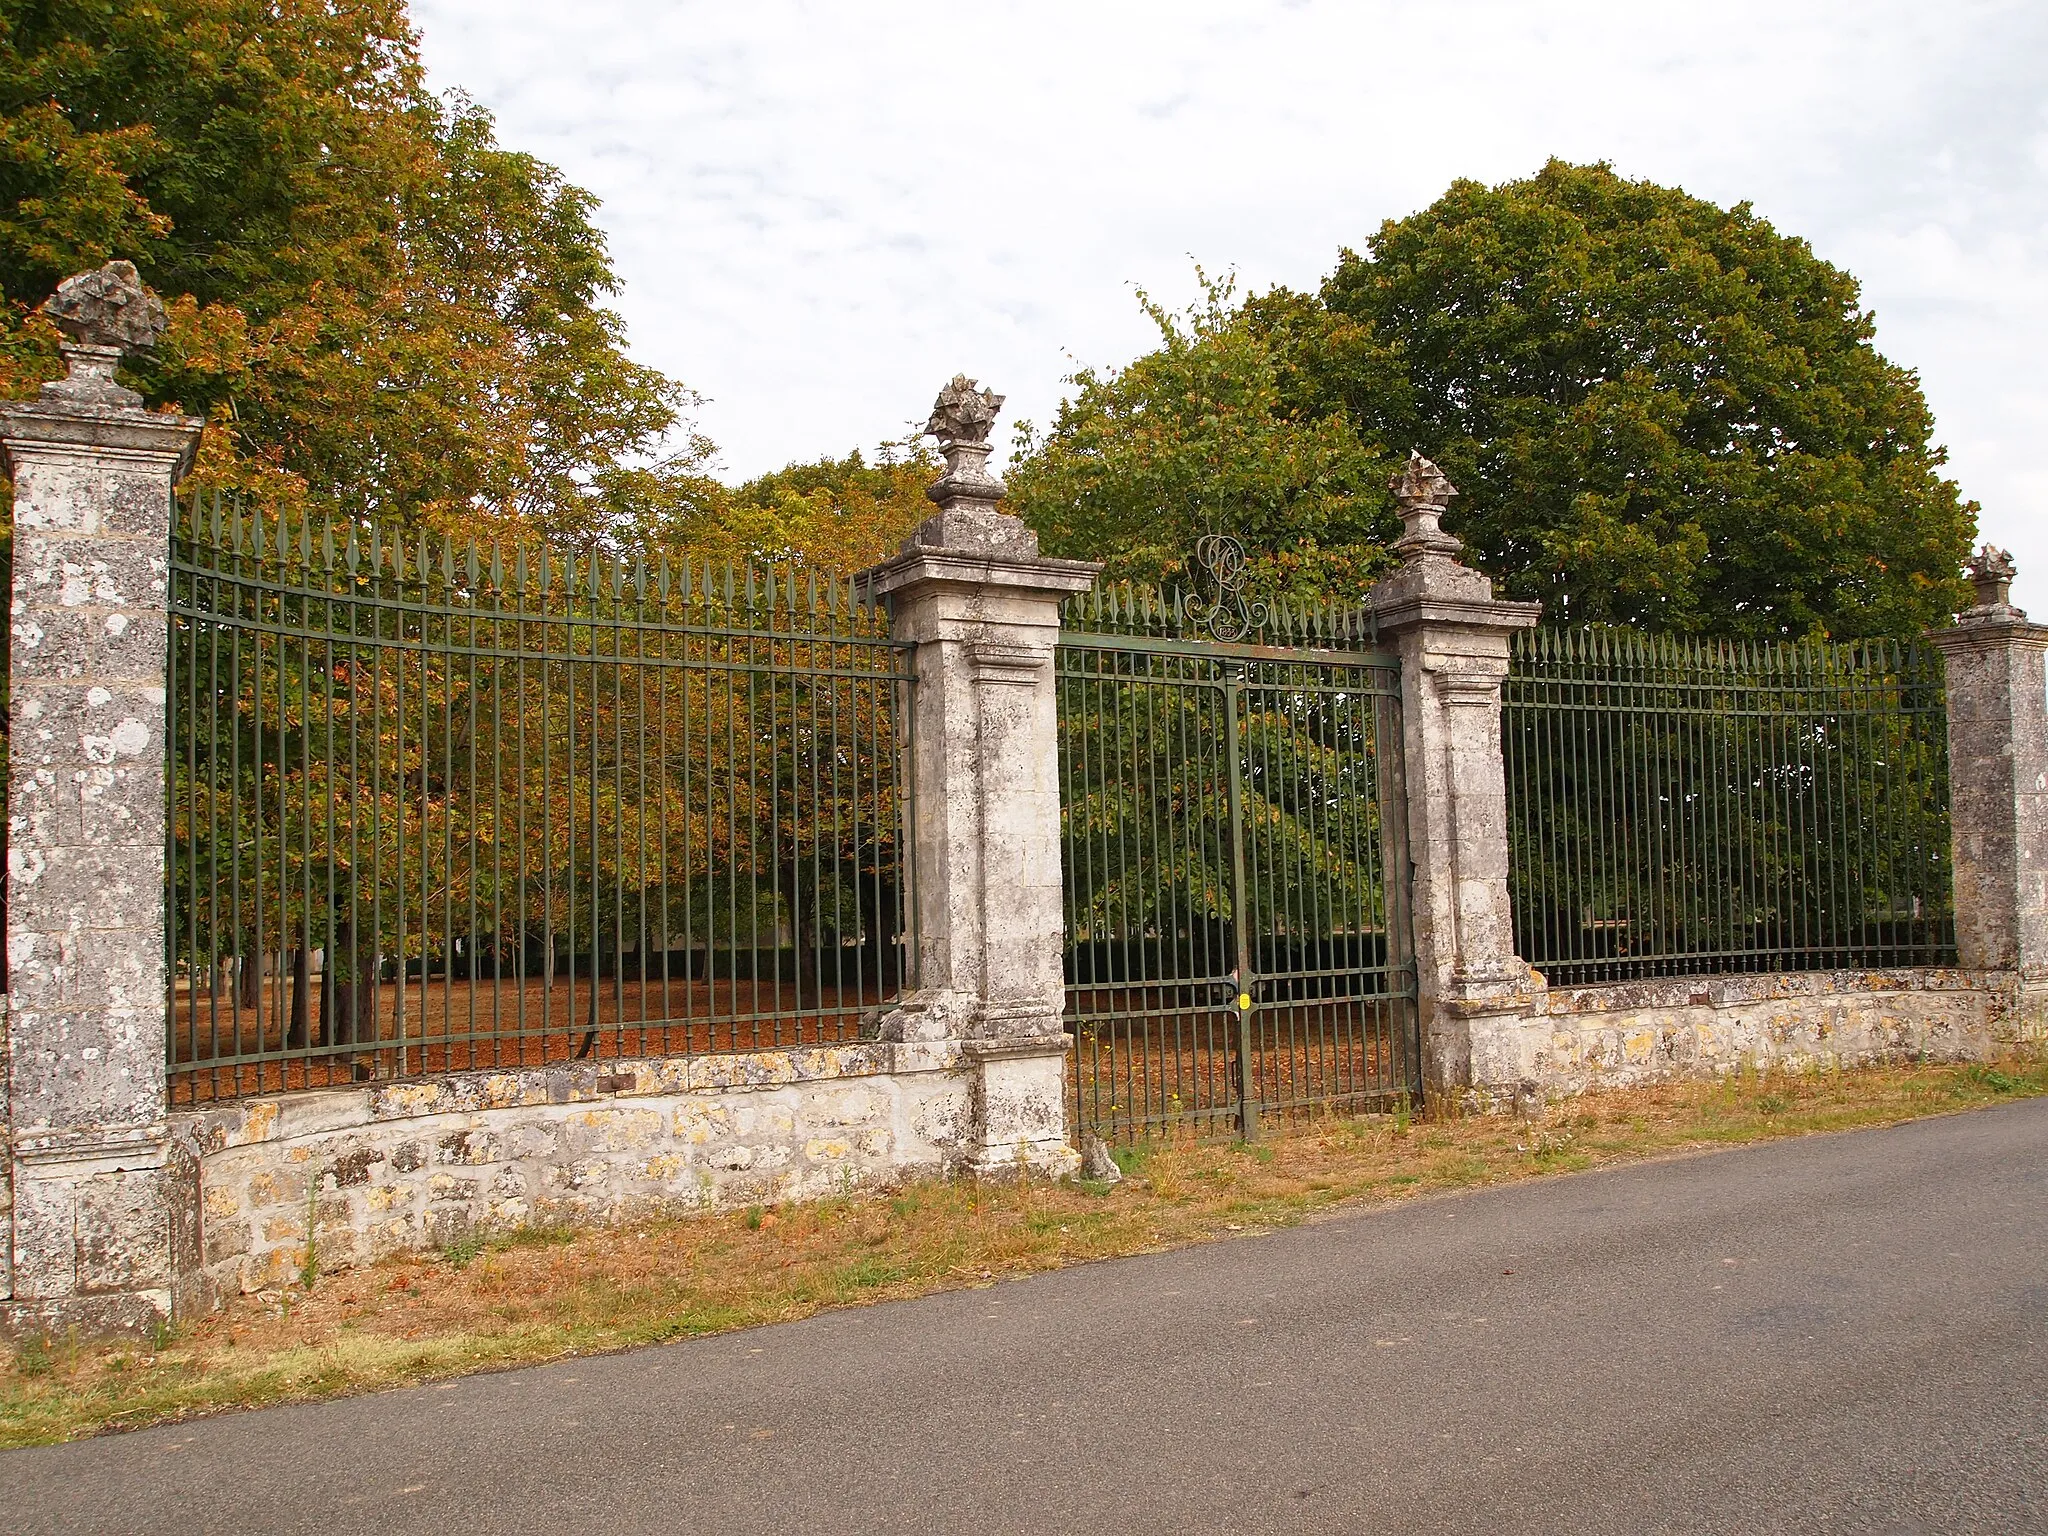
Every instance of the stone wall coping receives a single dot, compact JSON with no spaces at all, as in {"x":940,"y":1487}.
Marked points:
{"x":313,"y":1111}
{"x":1733,"y":991}
{"x":1004,"y":1047}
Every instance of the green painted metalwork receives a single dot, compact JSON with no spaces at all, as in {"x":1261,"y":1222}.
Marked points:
{"x":1684,"y":807}
{"x":439,"y":806}
{"x":1235,"y":865}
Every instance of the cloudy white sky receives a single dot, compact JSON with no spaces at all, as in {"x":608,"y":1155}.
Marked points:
{"x":822,"y":211}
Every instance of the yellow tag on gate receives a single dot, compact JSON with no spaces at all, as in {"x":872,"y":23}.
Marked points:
{"x":1244,"y":1000}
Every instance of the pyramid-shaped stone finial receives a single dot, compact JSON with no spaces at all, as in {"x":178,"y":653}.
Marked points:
{"x":1423,"y":494}
{"x":1991,"y":572}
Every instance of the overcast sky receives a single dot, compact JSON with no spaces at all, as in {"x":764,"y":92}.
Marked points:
{"x":822,"y":211}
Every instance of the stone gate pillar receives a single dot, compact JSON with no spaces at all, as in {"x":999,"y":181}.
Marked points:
{"x":1475,"y":995}
{"x":1998,"y":788}
{"x":103,"y":1214}
{"x":971,"y":593}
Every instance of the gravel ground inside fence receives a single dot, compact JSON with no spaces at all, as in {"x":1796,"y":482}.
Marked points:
{"x":454,"y":1026}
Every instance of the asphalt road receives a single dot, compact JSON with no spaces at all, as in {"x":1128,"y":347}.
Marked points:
{"x":1843,"y":1333}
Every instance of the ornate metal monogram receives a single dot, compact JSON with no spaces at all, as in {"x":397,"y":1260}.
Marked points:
{"x":1218,"y":605}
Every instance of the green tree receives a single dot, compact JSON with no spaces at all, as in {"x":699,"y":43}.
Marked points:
{"x":1658,"y":411}
{"x":1196,"y":436}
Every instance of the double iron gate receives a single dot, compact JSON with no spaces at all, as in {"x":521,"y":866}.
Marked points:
{"x":1235,"y":861}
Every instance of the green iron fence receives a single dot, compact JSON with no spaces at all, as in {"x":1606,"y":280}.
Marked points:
{"x":1689,"y":807}
{"x":1235,"y":865}
{"x":439,"y":807}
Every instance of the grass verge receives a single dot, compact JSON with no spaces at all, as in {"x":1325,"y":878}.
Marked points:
{"x":544,"y":1294}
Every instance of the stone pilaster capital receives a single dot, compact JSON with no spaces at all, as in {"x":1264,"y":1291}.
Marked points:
{"x":1002,"y":665}
{"x":77,"y":1152}
{"x":1468,"y":682}
{"x":65,"y":432}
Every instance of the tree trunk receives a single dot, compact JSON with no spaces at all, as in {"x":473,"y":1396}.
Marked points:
{"x":296,"y":1032}
{"x":249,"y":984}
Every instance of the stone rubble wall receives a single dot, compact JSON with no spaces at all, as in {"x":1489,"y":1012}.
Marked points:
{"x":390,"y":1167}
{"x":1623,"y":1034}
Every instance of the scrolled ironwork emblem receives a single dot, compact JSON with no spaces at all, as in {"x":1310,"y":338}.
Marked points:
{"x":1218,"y":605}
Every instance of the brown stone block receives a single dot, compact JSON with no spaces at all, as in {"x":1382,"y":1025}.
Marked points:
{"x":227,"y":1240}
{"x":281,"y":1185}
{"x":470,"y":1147}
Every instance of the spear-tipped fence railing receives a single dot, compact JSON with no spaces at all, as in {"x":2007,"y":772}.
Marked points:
{"x":439,"y":806}
{"x":1686,"y":807}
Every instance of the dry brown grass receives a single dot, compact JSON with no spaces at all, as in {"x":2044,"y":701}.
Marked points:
{"x":541,"y":1295}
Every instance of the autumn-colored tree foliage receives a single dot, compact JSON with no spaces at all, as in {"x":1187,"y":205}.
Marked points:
{"x":376,"y":307}
{"x":832,"y":515}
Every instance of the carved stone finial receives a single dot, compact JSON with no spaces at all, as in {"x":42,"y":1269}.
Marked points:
{"x":1991,"y":571}
{"x":108,"y":308}
{"x":962,"y":413}
{"x":961,"y":418}
{"x":105,"y":314}
{"x":1423,"y":494}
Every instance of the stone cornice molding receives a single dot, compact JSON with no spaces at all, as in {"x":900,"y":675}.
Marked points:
{"x":98,"y":1149}
{"x":36,"y":431}
{"x":918,"y":571}
{"x":1002,"y":1047}
{"x":1409,"y":611}
{"x":1434,"y":590}
{"x":1468,"y":686}
{"x":1969,"y":634}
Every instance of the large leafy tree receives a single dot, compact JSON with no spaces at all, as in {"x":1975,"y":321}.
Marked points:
{"x":376,"y":306}
{"x":1198,"y":436}
{"x":1658,"y":411}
